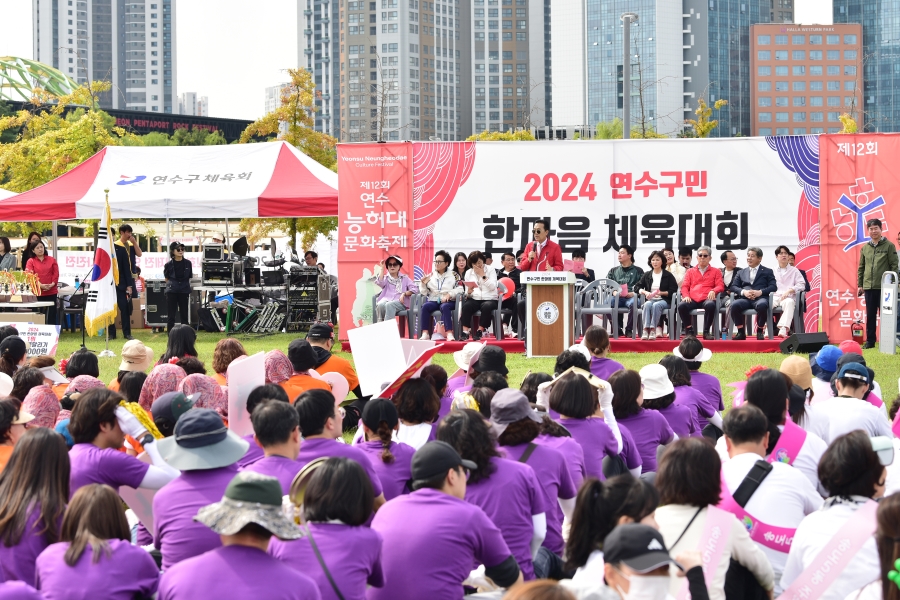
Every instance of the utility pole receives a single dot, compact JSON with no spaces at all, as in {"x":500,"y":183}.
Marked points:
{"x":627,"y":20}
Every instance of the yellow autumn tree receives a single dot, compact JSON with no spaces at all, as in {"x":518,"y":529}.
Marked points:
{"x":702,"y":125}
{"x":293,"y":122}
{"x":849,"y":124}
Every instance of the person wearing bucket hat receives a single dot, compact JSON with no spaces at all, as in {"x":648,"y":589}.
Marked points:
{"x":303,"y":359}
{"x":823,"y":365}
{"x":432,"y":561}
{"x":517,"y":428}
{"x":848,"y":410}
{"x":12,"y":427}
{"x":245,"y":519}
{"x":206,"y":452}
{"x":802,"y":410}
{"x":98,"y":426}
{"x":659,"y":395}
{"x":492,"y":358}
{"x":395,"y":289}
{"x":391,"y":460}
{"x":276,"y":429}
{"x":135,"y":357}
{"x":321,"y":425}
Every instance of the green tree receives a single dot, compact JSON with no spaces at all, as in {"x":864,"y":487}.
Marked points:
{"x":293,"y":122}
{"x":522,"y":135}
{"x":702,"y":125}
{"x":613,"y":130}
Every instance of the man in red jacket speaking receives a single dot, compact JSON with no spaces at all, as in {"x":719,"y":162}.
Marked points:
{"x":542,"y":254}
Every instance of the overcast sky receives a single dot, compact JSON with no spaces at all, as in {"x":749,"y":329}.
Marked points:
{"x":231,"y":50}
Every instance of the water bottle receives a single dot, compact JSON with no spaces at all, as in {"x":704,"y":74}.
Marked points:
{"x":77,"y":282}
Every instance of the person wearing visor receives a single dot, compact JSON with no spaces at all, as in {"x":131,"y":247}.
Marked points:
{"x":637,"y":565}
{"x":178,"y":285}
{"x":853,"y":471}
{"x":396,"y":289}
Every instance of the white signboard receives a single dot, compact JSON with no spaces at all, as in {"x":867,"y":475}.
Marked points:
{"x":41,"y":339}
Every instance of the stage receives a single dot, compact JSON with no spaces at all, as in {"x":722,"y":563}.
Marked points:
{"x":514,"y":346}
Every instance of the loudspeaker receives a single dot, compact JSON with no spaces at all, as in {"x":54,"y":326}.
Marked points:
{"x":804,"y":343}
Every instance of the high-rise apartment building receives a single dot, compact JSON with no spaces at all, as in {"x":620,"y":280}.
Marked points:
{"x":804,"y":77}
{"x":782,"y":11}
{"x":879,"y":59}
{"x":189,"y":103}
{"x":273,"y":97}
{"x":401,"y":62}
{"x":319,"y":48}
{"x":130,"y":43}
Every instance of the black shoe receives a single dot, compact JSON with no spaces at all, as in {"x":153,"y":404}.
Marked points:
{"x":464,"y":336}
{"x":476,"y":335}
{"x":688,"y":331}
{"x":129,"y":337}
{"x":868,"y":345}
{"x":760,"y":334}
{"x":740,"y":335}
{"x":708,"y":336}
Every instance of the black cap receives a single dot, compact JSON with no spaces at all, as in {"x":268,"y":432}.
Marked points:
{"x":639,"y":546}
{"x":377,"y":410}
{"x":435,"y":458}
{"x":199,"y":428}
{"x":492,"y":358}
{"x":301,"y":355}
{"x":171,"y":405}
{"x":321,"y":330}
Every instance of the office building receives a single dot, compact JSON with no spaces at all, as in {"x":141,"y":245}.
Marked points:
{"x":782,"y":11}
{"x":189,"y":103}
{"x":273,"y":97}
{"x":128,"y":43}
{"x":804,"y":77}
{"x":879,"y":59}
{"x":511,"y":84}
{"x":319,"y":52}
{"x":401,"y":68}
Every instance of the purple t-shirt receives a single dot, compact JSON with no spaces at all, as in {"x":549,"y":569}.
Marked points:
{"x":648,"y":429}
{"x":709,"y":386}
{"x":682,"y":420}
{"x":571,"y":451}
{"x":352,"y":555}
{"x":393,"y":476}
{"x":630,"y":453}
{"x":238,"y":572}
{"x":128,"y":572}
{"x":17,"y":562}
{"x":177,"y":535}
{"x":510,"y":497}
{"x":427,"y":551}
{"x":596,"y":440}
{"x":555,"y":482}
{"x":692,"y":398}
{"x":91,"y":464}
{"x":311,"y":449}
{"x":453,"y":385}
{"x":144,"y":537}
{"x":18,"y":590}
{"x":281,"y":468}
{"x":254,"y":452}
{"x":604,"y":367}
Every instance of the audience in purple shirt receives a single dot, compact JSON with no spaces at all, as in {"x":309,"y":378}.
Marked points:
{"x":276,"y":428}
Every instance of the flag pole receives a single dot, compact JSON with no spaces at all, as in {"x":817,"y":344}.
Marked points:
{"x":107,"y":353}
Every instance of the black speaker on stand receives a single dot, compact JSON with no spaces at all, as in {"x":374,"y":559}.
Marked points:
{"x":804,"y":343}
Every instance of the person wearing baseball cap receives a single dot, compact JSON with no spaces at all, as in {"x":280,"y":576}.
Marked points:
{"x":395,"y":290}
{"x":248,"y":515}
{"x":206,"y":453}
{"x":517,"y":428}
{"x":434,"y":558}
{"x":168,"y":408}
{"x":823,"y":365}
{"x":303,"y":359}
{"x":321,"y":338}
{"x":848,"y":410}
{"x":391,"y":460}
{"x":637,"y":564}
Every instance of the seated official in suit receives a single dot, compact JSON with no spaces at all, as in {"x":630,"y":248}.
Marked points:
{"x":752,"y":287}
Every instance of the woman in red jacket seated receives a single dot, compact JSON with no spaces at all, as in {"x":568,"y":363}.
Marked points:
{"x":47,"y":271}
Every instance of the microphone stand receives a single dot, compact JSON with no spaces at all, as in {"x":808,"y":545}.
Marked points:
{"x":83,"y":287}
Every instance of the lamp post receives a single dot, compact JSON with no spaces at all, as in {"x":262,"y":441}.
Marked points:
{"x":627,"y":20}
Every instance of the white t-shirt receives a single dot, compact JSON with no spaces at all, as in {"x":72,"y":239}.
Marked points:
{"x":656,"y":278}
{"x":815,"y":532}
{"x":815,"y":421}
{"x":807,"y":461}
{"x":821,"y":390}
{"x":848,"y":414}
{"x":870,"y":592}
{"x":592,"y":571}
{"x":783,"y":499}
{"x":892,"y":483}
{"x":413,"y":435}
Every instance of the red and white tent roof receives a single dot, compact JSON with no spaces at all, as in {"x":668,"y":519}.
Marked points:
{"x":6,"y":194}
{"x":271,"y":179}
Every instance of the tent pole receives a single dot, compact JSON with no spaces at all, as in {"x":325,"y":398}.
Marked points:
{"x":226,"y":234}
{"x":168,"y":235}
{"x":54,"y":240}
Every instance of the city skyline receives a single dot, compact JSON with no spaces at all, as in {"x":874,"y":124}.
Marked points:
{"x":252,"y":52}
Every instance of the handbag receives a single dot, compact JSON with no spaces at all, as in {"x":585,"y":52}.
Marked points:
{"x":322,"y":564}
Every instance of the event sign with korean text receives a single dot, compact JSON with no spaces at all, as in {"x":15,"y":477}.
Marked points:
{"x":729,"y":194}
{"x":41,"y":339}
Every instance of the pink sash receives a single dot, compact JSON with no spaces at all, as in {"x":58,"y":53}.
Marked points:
{"x":789,"y":443}
{"x":831,"y":561}
{"x":776,"y":538}
{"x":712,"y":545}
{"x":874,"y":400}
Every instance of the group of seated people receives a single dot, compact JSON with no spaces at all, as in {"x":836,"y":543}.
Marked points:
{"x":473,"y":281}
{"x":592,"y":482}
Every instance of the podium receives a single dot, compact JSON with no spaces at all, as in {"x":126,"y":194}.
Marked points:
{"x":550,"y":311}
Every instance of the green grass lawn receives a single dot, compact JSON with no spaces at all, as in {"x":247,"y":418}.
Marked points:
{"x":727,"y":367}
